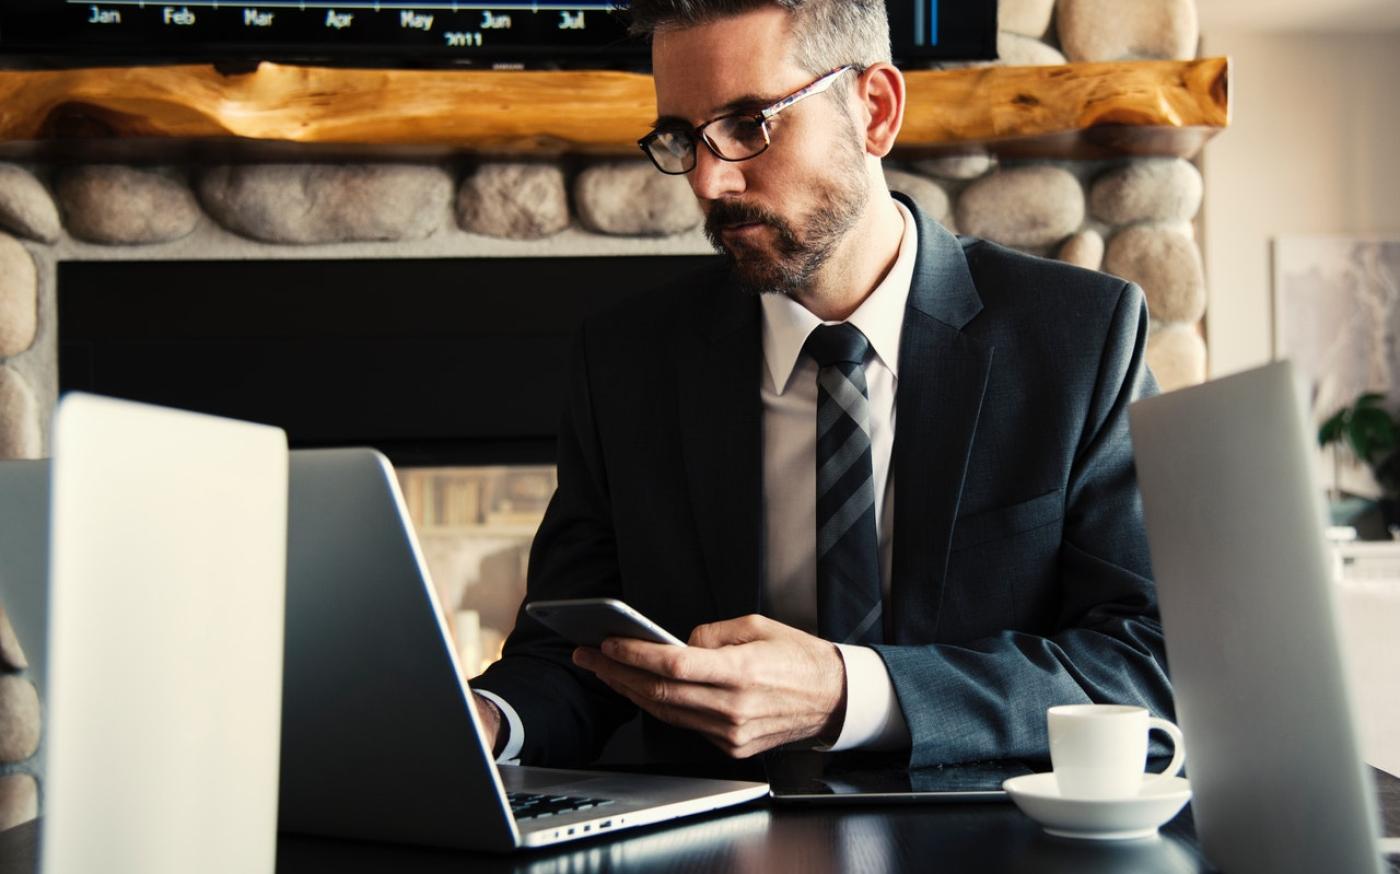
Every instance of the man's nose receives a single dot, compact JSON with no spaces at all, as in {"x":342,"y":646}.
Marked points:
{"x":714,"y":177}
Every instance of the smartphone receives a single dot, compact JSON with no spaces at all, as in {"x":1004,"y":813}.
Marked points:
{"x":586,"y":621}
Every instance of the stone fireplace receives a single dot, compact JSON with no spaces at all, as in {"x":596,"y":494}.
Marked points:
{"x":1130,"y":216}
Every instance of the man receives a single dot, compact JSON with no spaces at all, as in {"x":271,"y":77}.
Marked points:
{"x":880,"y":477}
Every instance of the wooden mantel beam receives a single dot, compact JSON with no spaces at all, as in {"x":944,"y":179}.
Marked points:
{"x":1138,"y":107}
{"x":1145,"y":107}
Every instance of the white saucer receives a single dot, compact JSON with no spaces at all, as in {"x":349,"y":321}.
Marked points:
{"x":1113,"y":819}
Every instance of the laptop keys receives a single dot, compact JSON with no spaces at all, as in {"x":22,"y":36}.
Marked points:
{"x":528,"y":805}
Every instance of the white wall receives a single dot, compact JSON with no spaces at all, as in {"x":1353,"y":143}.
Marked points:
{"x":1313,"y":147}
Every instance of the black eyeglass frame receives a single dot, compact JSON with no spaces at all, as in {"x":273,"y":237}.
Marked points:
{"x":762,"y":117}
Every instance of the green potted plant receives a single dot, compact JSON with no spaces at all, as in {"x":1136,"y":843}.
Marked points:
{"x":1373,"y":436}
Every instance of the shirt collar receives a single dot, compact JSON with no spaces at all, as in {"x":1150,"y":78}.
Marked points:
{"x":880,"y":317}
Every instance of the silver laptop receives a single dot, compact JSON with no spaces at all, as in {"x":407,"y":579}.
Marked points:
{"x":380,"y":738}
{"x":166,"y":574}
{"x":1236,"y":524}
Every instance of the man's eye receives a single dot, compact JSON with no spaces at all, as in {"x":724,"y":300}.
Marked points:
{"x":673,"y":137}
{"x":746,"y":131}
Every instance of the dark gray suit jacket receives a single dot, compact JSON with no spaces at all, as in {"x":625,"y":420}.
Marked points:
{"x":1020,"y":573}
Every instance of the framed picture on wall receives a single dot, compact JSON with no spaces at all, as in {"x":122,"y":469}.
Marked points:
{"x":1336,"y":314}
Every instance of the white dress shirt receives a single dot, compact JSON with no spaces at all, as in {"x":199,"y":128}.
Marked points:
{"x":789,"y":391}
{"x":788,"y":385}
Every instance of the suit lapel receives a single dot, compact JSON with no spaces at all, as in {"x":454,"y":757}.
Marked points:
{"x":721,"y":437}
{"x":942,"y":379}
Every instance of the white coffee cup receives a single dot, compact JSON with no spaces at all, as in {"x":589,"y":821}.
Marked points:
{"x":1100,"y":750}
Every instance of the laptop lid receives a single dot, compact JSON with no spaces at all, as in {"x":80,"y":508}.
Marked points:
{"x":1235,"y":525}
{"x":380,"y":736}
{"x":380,"y":739}
{"x":167,"y":573}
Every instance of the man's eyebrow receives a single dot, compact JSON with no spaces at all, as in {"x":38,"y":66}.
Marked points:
{"x":670,"y":121}
{"x":747,"y":101}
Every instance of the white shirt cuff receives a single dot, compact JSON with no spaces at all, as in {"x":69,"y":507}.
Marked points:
{"x":874,"y":720}
{"x":515,"y":738}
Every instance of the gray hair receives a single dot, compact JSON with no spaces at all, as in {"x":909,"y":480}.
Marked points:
{"x":827,"y":33}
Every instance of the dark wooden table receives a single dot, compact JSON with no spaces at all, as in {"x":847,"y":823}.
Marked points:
{"x":762,"y":838}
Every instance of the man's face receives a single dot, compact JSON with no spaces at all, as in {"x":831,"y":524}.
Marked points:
{"x":779,"y":216}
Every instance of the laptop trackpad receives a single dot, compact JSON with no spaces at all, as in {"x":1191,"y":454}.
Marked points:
{"x":599,"y":783}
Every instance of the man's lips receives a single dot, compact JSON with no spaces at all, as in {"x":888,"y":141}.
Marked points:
{"x":741,"y":229}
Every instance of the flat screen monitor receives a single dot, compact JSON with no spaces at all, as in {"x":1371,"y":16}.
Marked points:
{"x":414,"y":33}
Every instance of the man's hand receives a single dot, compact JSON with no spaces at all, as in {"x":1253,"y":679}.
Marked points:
{"x":747,"y":684}
{"x":490,"y":720}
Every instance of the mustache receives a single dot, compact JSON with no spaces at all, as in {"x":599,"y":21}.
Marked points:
{"x":726,"y":213}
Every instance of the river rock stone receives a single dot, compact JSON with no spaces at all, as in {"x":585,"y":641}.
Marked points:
{"x":1026,"y":17}
{"x":328,"y":203}
{"x":1152,"y":190}
{"x":518,"y":201}
{"x":1113,"y":30}
{"x":118,"y":205}
{"x":19,"y":719}
{"x":957,"y":167}
{"x":631,"y":198}
{"x":929,"y":195}
{"x":19,"y":417}
{"x":11,"y":653}
{"x":1167,"y":265}
{"x":26,"y":208}
{"x":1025,"y":207}
{"x":19,"y":800}
{"x":1024,"y":51}
{"x":1084,"y":249}
{"x":1177,"y":356}
{"x":19,"y":298}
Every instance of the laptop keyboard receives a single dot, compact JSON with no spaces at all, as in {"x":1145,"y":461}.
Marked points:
{"x":527,"y":805}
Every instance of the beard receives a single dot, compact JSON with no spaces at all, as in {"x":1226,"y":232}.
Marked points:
{"x":801,"y":247}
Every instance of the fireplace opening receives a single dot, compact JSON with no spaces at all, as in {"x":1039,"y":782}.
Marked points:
{"x":431,"y":361}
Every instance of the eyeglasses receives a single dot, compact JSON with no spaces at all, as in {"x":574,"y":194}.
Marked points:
{"x":736,"y":137}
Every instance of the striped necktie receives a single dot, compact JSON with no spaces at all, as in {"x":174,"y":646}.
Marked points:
{"x":848,"y":563}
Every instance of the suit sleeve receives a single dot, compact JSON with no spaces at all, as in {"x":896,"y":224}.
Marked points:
{"x":567,"y":713}
{"x":986,"y":698}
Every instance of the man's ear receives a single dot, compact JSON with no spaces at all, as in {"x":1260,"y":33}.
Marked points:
{"x":880,"y":91}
